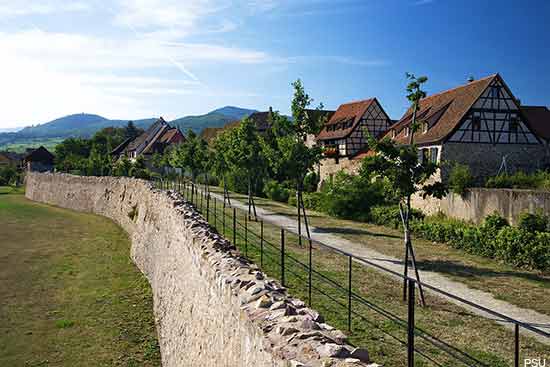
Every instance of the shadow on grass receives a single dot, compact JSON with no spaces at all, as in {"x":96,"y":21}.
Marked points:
{"x":465,"y":271}
{"x":347,"y":230}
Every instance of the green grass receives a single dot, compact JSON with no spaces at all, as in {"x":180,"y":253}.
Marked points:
{"x":70,"y":294}
{"x":22,"y":144}
{"x":481,"y":338}
{"x":521,"y":287}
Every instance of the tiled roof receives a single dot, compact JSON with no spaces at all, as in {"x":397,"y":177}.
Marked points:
{"x":346,"y":113}
{"x":539,"y":120}
{"x":149,"y":136}
{"x":443,"y":112}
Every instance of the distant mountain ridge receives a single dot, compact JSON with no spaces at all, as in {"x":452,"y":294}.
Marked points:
{"x":85,"y":125}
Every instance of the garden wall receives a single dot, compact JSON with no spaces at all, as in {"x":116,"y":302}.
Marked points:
{"x":477,"y":203}
{"x":212,"y":308}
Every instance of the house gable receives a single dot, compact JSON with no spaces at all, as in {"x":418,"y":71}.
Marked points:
{"x":494,"y":118}
{"x":374,"y":121}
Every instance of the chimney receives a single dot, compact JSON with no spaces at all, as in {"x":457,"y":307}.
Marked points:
{"x":471,"y":79}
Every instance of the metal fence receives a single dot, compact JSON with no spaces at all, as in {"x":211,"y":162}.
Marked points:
{"x":310,"y":268}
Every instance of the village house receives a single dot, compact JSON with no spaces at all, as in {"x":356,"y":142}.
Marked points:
{"x":39,"y":160}
{"x":155,"y":139}
{"x":539,"y":118}
{"x":479,"y":124}
{"x":344,"y":135}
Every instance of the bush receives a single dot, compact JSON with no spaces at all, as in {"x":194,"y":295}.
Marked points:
{"x":521,"y":180}
{"x":314,"y":200}
{"x":389,"y":216}
{"x":533,"y":222}
{"x":460,"y":178}
{"x":276,"y":191}
{"x":352,"y":197}
{"x":8,"y":176}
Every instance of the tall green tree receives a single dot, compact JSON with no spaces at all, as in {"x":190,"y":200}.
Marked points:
{"x":405,"y":173}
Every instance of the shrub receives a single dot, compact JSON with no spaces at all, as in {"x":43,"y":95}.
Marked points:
{"x":390,"y":216}
{"x":352,"y":197}
{"x":460,"y":178}
{"x":276,"y":191}
{"x":314,"y":200}
{"x":533,"y":222}
{"x":521,"y":180}
{"x":8,"y":176}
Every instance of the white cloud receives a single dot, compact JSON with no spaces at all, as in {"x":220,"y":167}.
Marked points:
{"x":10,"y":8}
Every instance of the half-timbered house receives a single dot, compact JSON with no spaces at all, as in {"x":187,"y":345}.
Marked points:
{"x":344,"y":135}
{"x":479,"y":124}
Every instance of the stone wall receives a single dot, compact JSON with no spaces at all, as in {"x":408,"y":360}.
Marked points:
{"x":485,"y":160}
{"x":477,"y":203}
{"x":212,"y":308}
{"x":328,"y":167}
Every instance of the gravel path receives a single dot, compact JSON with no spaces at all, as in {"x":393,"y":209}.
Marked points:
{"x":438,"y":280}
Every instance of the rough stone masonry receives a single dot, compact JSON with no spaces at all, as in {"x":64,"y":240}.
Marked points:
{"x":212,"y":307}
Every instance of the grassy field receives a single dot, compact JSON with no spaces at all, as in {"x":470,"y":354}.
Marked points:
{"x":524,"y":288}
{"x":485,"y":342}
{"x":20,"y":146}
{"x":70,"y":295}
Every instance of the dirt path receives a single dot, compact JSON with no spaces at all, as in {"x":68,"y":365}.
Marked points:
{"x":435,"y":279}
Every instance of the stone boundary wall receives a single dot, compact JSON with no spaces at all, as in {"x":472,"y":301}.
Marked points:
{"x":212,"y":307}
{"x":477,"y":203}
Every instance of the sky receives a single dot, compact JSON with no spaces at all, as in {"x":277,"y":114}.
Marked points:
{"x":130,"y":59}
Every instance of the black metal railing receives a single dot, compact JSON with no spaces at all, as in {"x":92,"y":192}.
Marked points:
{"x":296,"y":270}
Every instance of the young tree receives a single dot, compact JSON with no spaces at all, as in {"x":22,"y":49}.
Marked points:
{"x":244,"y":153}
{"x":190,"y":155}
{"x":406,"y":174}
{"x":292,"y":155}
{"x":220,"y":162}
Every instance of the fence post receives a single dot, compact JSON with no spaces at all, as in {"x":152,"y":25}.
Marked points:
{"x":349,"y":292}
{"x":309,"y":270}
{"x":234,"y":226}
{"x":410,"y":323}
{"x":223,"y":220}
{"x":261,"y":243}
{"x":516,"y":345}
{"x":208,"y":208}
{"x":245,"y":236}
{"x":215,"y":214}
{"x":283,"y":257}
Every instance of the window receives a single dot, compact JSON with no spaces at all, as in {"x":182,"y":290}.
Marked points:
{"x":495,"y":92}
{"x":476,"y":123}
{"x":425,"y":127}
{"x":393,"y":133}
{"x":407,"y":131}
{"x":433,"y":154}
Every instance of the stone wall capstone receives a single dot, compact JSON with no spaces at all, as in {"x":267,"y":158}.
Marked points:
{"x":212,"y":307}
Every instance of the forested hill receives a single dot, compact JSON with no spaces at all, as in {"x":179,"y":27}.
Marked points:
{"x":85,"y":125}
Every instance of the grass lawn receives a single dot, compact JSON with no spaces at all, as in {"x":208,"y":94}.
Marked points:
{"x":485,"y":342}
{"x":70,"y":294}
{"x":524,"y":288}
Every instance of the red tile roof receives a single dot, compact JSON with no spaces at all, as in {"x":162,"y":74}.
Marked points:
{"x":539,"y":120}
{"x":348,"y":112}
{"x":443,"y":112}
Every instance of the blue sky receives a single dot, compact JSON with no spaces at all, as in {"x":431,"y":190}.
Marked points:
{"x":142,"y":58}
